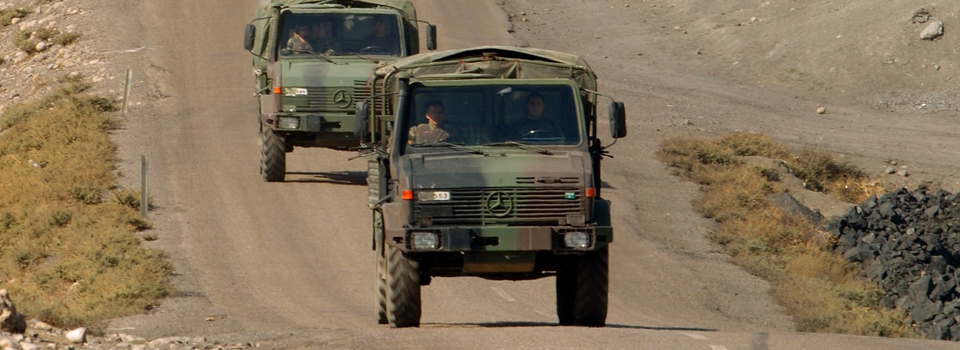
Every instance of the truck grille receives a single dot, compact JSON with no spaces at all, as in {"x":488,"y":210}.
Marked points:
{"x":339,"y":99}
{"x":517,"y":206}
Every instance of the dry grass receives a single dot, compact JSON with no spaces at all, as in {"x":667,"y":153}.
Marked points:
{"x":822,"y":291}
{"x":69,"y":249}
{"x":9,"y":14}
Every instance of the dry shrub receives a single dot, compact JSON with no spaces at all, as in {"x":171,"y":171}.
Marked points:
{"x":818,"y":168}
{"x":7,"y":15}
{"x":822,"y":291}
{"x":65,"y":39}
{"x":69,"y":256}
{"x":749,"y":144}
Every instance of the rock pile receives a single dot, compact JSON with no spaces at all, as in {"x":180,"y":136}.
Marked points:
{"x":909,"y":243}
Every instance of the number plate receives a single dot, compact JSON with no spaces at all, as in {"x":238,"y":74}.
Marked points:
{"x":432,"y":196}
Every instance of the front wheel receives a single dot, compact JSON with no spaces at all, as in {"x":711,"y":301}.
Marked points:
{"x":273,"y":156}
{"x":403,"y":289}
{"x":582,"y":289}
{"x":381,"y":282}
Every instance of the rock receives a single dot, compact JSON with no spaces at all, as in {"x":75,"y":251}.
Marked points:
{"x":891,"y":170}
{"x":932,"y":31}
{"x":10,"y":320}
{"x":921,"y":16}
{"x":8,"y":343}
{"x":904,"y":173}
{"x":821,"y":110}
{"x":29,"y":346}
{"x":42,"y":326}
{"x":77,"y":336}
{"x":41,"y":46}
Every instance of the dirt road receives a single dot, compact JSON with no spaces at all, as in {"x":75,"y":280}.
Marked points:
{"x":288,"y":265}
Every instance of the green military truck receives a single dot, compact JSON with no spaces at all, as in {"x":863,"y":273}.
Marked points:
{"x":482,"y":193}
{"x":313,"y":59}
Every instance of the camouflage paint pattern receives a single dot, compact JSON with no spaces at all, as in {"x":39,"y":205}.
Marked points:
{"x":499,"y":211}
{"x":320,"y":92}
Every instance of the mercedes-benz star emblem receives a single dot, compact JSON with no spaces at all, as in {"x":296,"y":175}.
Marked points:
{"x":342,"y":99}
{"x":499,"y":204}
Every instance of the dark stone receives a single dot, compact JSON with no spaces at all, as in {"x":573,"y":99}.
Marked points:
{"x":942,"y":289}
{"x":925,"y":310}
{"x":885,"y":210}
{"x":951,"y":307}
{"x":876,"y":271}
{"x":853,"y":254}
{"x":921,"y":287}
{"x":938,"y":331}
{"x":938,"y":264}
{"x":889,"y":301}
{"x":931,"y":212}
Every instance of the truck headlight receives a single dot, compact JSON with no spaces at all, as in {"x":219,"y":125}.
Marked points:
{"x":424,"y":240}
{"x":577,"y":240}
{"x":289,"y":123}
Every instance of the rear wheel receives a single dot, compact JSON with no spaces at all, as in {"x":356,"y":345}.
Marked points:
{"x":403,"y":289}
{"x":582,"y":288}
{"x":273,"y":156}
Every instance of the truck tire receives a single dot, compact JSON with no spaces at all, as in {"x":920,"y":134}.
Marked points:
{"x":273,"y":156}
{"x":565,"y":291}
{"x":373,"y":179}
{"x":582,"y":288}
{"x":403,"y":289}
{"x":381,"y":281}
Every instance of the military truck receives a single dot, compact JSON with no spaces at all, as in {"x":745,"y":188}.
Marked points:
{"x":313,"y":59}
{"x":493,"y":198}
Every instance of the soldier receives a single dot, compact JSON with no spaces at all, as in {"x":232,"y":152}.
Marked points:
{"x":380,"y":41}
{"x":298,"y":42}
{"x":534,"y":120}
{"x":322,"y":37}
{"x":434,"y":130}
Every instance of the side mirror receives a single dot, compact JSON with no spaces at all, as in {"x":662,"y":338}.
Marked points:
{"x":248,"y":36}
{"x":431,"y":37}
{"x":362,"y":120}
{"x":618,"y":120}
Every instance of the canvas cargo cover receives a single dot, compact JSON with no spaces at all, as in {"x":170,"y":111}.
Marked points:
{"x":511,"y":63}
{"x":263,"y":19}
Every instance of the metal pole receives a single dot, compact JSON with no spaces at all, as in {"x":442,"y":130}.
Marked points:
{"x":126,"y":93}
{"x":143,"y":187}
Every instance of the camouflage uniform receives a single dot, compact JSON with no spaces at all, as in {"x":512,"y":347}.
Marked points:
{"x":427,"y":133}
{"x":296,"y":44}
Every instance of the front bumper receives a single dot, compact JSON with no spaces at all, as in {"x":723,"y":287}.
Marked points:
{"x":507,"y":238}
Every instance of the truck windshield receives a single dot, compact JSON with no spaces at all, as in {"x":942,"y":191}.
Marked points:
{"x":493,"y":115}
{"x":335,"y":34}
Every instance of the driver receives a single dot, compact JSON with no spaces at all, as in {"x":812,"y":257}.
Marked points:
{"x":380,"y":39}
{"x":534,"y":120}
{"x":435,"y":130}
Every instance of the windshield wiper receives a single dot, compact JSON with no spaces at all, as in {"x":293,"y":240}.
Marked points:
{"x":450,"y":145}
{"x":521,"y":146}
{"x":317,"y":55}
